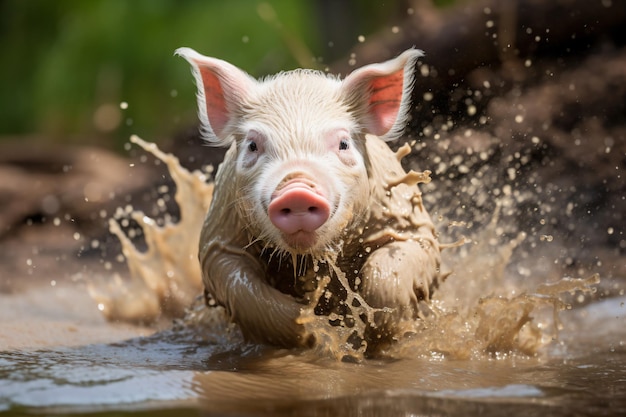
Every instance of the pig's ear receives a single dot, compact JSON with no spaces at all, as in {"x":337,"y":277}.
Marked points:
{"x":222,"y":89}
{"x":379,"y":94}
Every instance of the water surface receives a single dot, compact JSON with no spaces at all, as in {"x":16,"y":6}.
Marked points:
{"x":190,"y":371}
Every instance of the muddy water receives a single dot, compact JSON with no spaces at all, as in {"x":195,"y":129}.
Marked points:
{"x":184,"y":369}
{"x":490,"y":343}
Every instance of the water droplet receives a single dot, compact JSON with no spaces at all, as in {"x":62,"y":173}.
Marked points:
{"x":107,"y":117}
{"x":50,"y":204}
{"x":511,"y":172}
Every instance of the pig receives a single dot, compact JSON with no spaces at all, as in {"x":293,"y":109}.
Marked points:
{"x":309,"y":181}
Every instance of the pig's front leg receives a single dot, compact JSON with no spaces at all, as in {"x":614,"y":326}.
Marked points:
{"x":235,"y":279}
{"x":396,"y":277}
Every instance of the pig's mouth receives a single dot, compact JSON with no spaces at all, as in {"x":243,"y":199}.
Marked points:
{"x":298,"y":208}
{"x":301,"y":241}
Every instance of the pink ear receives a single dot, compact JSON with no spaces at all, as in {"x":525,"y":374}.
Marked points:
{"x":222,"y":88}
{"x":379,"y":94}
{"x":384,"y":101}
{"x":215,"y":102}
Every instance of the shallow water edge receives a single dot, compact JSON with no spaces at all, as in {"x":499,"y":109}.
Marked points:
{"x":182,"y":372}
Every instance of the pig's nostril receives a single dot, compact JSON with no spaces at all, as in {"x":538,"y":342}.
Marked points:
{"x":298,"y":209}
{"x":287,"y":211}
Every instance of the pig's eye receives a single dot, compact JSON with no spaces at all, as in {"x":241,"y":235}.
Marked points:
{"x":252,"y":148}
{"x":343,"y":145}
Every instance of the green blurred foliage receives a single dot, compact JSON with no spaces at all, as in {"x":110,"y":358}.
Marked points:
{"x":444,"y":3}
{"x":68,"y":65}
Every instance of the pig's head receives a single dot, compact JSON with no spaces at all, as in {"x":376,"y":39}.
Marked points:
{"x":302,"y":166}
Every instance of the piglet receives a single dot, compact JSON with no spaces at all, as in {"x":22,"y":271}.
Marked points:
{"x":307,"y":182}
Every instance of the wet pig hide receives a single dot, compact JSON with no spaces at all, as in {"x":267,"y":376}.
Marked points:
{"x":309,"y":188}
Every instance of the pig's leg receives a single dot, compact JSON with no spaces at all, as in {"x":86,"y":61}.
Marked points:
{"x":398,"y":275}
{"x":264,"y":314}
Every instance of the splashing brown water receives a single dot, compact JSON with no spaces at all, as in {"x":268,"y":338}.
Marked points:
{"x":166,"y":278}
{"x":476,"y":312}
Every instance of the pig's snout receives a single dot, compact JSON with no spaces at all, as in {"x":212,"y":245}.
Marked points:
{"x":297,"y":210}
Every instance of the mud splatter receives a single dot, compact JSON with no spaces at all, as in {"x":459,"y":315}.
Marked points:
{"x":166,"y":278}
{"x":477,"y":311}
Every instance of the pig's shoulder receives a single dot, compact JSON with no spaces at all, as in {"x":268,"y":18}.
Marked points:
{"x":395,"y":210}
{"x":382,"y":160}
{"x":222,"y":222}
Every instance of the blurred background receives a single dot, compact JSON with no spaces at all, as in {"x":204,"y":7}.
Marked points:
{"x":94,"y":72}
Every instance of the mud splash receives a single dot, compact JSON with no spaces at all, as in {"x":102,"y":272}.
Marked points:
{"x":476,"y":313}
{"x":165,"y":279}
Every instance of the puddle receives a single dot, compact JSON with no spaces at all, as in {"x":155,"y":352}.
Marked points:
{"x":181,"y":369}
